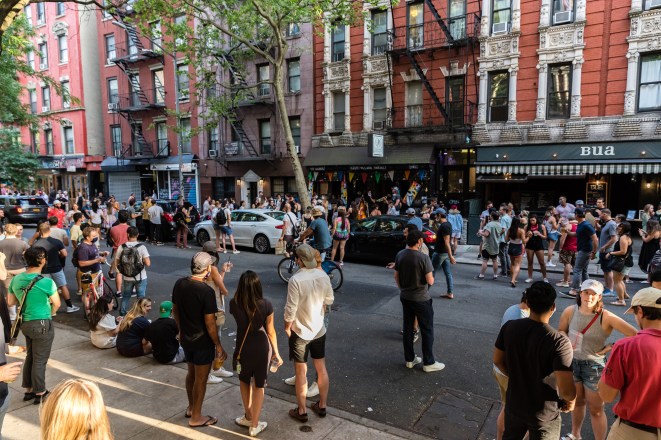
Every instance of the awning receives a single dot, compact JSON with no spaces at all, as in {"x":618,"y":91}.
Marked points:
{"x":357,"y":156}
{"x":172,"y":163}
{"x":571,"y":169}
{"x":117,"y":164}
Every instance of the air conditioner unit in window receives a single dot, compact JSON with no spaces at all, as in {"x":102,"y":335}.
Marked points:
{"x":378,"y":125}
{"x":499,"y":28}
{"x":43,"y":66}
{"x":113,"y":106}
{"x":653,"y":4}
{"x":298,"y":149}
{"x":109,"y":61}
{"x":562,"y":17}
{"x":45,"y":108}
{"x":213,"y":153}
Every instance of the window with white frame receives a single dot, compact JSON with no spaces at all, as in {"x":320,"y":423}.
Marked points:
{"x":337,"y":42}
{"x":294,"y":74}
{"x":186,"y":139}
{"x":263,"y":76}
{"x":379,"y":32}
{"x":27,"y":10}
{"x":69,"y":147}
{"x":136,"y":137}
{"x":649,"y":91}
{"x":111,"y":53}
{"x":43,"y":55}
{"x":63,"y":48}
{"x":162,"y":138}
{"x":563,"y":11}
{"x":48,"y":138}
{"x":179,"y":22}
{"x":559,"y":91}
{"x":338,"y":111}
{"x":159,"y":86}
{"x":41,"y":14}
{"x":116,"y":140}
{"x":113,"y":91}
{"x":45,"y":99}
{"x":213,"y":139}
{"x":134,"y":89}
{"x":66,"y":95}
{"x":156,"y":36}
{"x":60,"y":8}
{"x":183,"y":82}
{"x":499,"y":91}
{"x":34,"y":142}
{"x":295,"y":125}
{"x":415,"y":25}
{"x":414,"y":104}
{"x":132,"y":43}
{"x":457,"y":19}
{"x":501,"y":12}
{"x":30,"y":58}
{"x":33,"y":102}
{"x":652,"y":4}
{"x":293,"y":30}
{"x":265,"y":136}
{"x":379,"y":109}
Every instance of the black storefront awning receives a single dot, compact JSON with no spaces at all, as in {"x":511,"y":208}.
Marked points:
{"x":357,"y":156}
{"x":569,"y":169}
{"x":116,"y":164}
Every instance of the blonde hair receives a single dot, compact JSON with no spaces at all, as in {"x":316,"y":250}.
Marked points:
{"x":138,"y":309}
{"x":75,"y":410}
{"x":11,"y":229}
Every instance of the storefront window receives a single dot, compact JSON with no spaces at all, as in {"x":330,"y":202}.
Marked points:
{"x":472,"y":177}
{"x":456,"y":181}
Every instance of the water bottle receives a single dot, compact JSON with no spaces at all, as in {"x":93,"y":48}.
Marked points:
{"x":274,"y":364}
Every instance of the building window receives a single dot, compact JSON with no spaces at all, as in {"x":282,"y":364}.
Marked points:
{"x":499,"y":91}
{"x":48,"y":137}
{"x":179,"y":22}
{"x":116,"y":140}
{"x":156,"y":36}
{"x":183,"y":82}
{"x":63,"y":48}
{"x":379,"y":32}
{"x":458,"y":19}
{"x":113,"y":91}
{"x":293,"y":30}
{"x":277,"y":185}
{"x":134,"y":90}
{"x":34,"y":142}
{"x":265,"y":136}
{"x":41,"y":14}
{"x":454,"y":98}
{"x":414,"y":104}
{"x":559,"y":88}
{"x":66,"y":95}
{"x":263,"y":76}
{"x":159,"y":87}
{"x":106,"y":4}
{"x":337,"y":41}
{"x":43,"y":54}
{"x":652,"y":4}
{"x":68,"y":140}
{"x":295,"y":125}
{"x":137,"y":138}
{"x":59,"y":8}
{"x":563,"y":11}
{"x":185,"y":135}
{"x":338,"y":111}
{"x":213,"y":139}
{"x":33,"y":101}
{"x":132,"y":43}
{"x":31,"y":59}
{"x":500,"y":16}
{"x":162,"y":138}
{"x":45,"y":99}
{"x":294,"y":74}
{"x":379,"y":110}
{"x":415,"y":26}
{"x":111,"y":53}
{"x":28,"y":14}
{"x":649,"y":95}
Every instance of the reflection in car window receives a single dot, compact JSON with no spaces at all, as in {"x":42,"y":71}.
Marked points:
{"x":237,"y":216}
{"x":278,"y":215}
{"x":252,"y":217}
{"x":34,"y":201}
{"x":389,"y":226}
{"x":365,"y":225}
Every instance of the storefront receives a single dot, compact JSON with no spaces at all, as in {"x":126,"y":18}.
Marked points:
{"x":124,"y":177}
{"x":68,"y":174}
{"x":168,"y":185}
{"x":625,"y":174}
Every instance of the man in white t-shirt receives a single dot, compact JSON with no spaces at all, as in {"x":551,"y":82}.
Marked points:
{"x":155,"y":212}
{"x":137,"y":282}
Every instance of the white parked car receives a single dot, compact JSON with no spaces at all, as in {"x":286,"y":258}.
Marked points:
{"x":257,"y":228}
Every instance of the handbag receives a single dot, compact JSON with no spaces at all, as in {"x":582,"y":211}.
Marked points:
{"x":16,"y":327}
{"x":280,"y":247}
{"x":576,"y":338}
{"x":616,"y":263}
{"x":236,"y":362}
{"x":220,"y":314}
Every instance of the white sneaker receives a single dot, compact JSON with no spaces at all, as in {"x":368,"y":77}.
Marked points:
{"x":546,"y":280}
{"x":213,"y":379}
{"x":242,"y":421}
{"x":562,"y":284}
{"x":436,"y":366}
{"x":415,"y":362}
{"x":222,"y":372}
{"x":313,"y":390}
{"x":529,"y":280}
{"x":291,"y":381}
{"x":257,"y":429}
{"x":224,"y":251}
{"x":238,"y":252}
{"x":72,"y":309}
{"x":550,"y":264}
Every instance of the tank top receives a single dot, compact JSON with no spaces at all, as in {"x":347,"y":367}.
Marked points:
{"x":571,"y":242}
{"x":535,"y":240}
{"x":593,"y":340}
{"x":616,"y":248}
{"x":516,"y":240}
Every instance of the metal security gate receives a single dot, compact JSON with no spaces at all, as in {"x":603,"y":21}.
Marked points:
{"x":121,"y":185}
{"x":190,"y":187}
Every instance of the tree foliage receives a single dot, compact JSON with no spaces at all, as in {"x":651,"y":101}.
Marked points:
{"x":17,"y":166}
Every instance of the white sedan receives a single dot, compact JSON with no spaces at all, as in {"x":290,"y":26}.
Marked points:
{"x":257,"y":228}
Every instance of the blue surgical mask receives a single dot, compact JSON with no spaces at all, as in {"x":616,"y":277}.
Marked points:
{"x":95,"y":239}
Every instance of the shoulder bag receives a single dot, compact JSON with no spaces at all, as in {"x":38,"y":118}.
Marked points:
{"x":236,"y":362}
{"x":16,"y":327}
{"x":576,"y":338}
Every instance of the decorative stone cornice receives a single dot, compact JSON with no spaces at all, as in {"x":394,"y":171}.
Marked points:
{"x":60,"y":28}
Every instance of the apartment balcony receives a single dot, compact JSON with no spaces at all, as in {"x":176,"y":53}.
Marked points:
{"x":138,"y":150}
{"x":430,"y":35}
{"x":145,"y":100}
{"x":135,"y":54}
{"x":238,"y":152}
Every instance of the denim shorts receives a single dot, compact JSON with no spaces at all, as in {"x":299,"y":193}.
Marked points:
{"x":554,"y":236}
{"x":58,"y":277}
{"x":226,"y":230}
{"x":588,"y":373}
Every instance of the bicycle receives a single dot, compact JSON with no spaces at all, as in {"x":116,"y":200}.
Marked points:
{"x":287,"y":267}
{"x":94,"y":286}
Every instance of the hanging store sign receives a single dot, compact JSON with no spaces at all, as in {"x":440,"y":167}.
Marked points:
{"x":68,"y":163}
{"x":375,"y":146}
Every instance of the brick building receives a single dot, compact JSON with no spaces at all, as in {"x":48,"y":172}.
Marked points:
{"x":69,"y":139}
{"x":570,"y":94}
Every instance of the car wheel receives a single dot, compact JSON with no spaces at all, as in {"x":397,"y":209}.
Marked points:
{"x":202,"y":237}
{"x":261,"y":244}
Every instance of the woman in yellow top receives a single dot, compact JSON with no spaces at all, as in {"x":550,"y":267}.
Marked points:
{"x":148,"y":203}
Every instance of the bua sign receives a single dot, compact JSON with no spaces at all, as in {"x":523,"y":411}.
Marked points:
{"x":598,"y":150}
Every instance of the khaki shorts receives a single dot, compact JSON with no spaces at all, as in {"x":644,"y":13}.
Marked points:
{"x":567,"y":257}
{"x":502,"y":381}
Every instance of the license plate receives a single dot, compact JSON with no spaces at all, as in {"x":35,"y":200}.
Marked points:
{"x":37,"y":210}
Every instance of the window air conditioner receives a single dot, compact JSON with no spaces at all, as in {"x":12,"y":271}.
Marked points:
{"x":213,"y":153}
{"x":499,"y":28}
{"x":562,"y":17}
{"x":298,"y":149}
{"x":378,"y":125}
{"x":109,"y":61}
{"x":43,"y":66}
{"x":653,"y":4}
{"x":113,"y":106}
{"x":45,"y":108}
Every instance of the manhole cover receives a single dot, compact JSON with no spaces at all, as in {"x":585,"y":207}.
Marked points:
{"x":305,"y":428}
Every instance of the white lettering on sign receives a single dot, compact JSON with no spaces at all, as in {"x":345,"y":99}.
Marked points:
{"x":598,"y":150}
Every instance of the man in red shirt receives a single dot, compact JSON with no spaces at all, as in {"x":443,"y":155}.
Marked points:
{"x":634,"y":371}
{"x":57,"y":211}
{"x":119,"y":236}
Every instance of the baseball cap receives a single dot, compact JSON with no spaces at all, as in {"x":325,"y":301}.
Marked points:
{"x":316,"y":212}
{"x":439,"y":211}
{"x":593,"y":285}
{"x":647,"y":297}
{"x":165,"y":309}
{"x":579,"y":213}
{"x":308,"y":255}
{"x":453,"y":206}
{"x":580,"y":202}
{"x":201,"y":261}
{"x":410,"y":211}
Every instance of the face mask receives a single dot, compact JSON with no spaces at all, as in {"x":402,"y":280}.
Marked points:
{"x":95,"y":239}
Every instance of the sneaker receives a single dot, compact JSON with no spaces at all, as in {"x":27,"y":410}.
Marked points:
{"x":546,"y":280}
{"x":562,"y":284}
{"x":291,"y":381}
{"x":436,"y":366}
{"x":479,"y":277}
{"x":257,"y":429}
{"x":628,"y":281}
{"x":236,"y":252}
{"x":313,"y":390}
{"x":242,"y":421}
{"x":213,"y":379}
{"x":550,"y":264}
{"x":529,"y":280}
{"x":570,"y":294}
{"x":72,"y":309}
{"x":159,"y":243}
{"x":222,"y":372}
{"x":416,"y":336}
{"x":80,"y":292}
{"x":341,"y":263}
{"x":608,"y":292}
{"x":415,"y":362}
{"x":224,"y":251}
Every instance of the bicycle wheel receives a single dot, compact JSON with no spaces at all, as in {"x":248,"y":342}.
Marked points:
{"x":334,"y":273}
{"x":287,"y":267}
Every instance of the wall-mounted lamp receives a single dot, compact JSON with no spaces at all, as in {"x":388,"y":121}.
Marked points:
{"x":505,"y":156}
{"x":238,"y":182}
{"x":643,"y":153}
{"x":555,"y":155}
{"x":648,"y":185}
{"x":261,"y":181}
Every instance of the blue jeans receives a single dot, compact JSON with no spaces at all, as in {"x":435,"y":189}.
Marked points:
{"x":580,"y":273}
{"x":443,"y":261}
{"x":504,"y":258}
{"x":425,"y":313}
{"x":127,"y":291}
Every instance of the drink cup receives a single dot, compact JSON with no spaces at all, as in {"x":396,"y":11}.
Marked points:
{"x":274,"y":364}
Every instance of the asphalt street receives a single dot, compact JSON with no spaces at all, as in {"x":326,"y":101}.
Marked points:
{"x":364,"y":349}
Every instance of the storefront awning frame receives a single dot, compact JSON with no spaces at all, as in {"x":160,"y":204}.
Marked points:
{"x":357,"y":156}
{"x":568,"y":169}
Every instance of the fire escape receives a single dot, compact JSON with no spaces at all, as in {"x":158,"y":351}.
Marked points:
{"x":458,"y":35}
{"x":138,"y":100}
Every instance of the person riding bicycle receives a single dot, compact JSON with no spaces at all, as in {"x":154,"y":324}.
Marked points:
{"x":318,"y":229}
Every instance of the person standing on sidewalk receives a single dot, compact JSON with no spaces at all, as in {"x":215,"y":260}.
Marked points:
{"x":155,"y":214}
{"x":537,"y":360}
{"x":194,"y":309}
{"x":568,"y":247}
{"x":442,"y":256}
{"x":503,"y":254}
{"x":490,"y":234}
{"x":414,"y":274}
{"x":308,"y":293}
{"x":634,"y":371}
{"x":13,"y":248}
{"x":607,"y":239}
{"x":586,"y":249}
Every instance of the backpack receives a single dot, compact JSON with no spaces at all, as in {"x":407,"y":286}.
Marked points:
{"x":74,"y":256}
{"x":130,"y":262}
{"x":221,"y":218}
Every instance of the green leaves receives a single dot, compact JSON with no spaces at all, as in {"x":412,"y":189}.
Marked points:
{"x":16,"y":164}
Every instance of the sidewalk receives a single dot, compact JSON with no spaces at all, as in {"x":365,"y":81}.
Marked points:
{"x":147,"y":400}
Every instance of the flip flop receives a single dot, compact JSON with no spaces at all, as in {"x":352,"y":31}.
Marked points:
{"x":618,"y":303}
{"x":210,"y":421}
{"x":447,"y":296}
{"x":187,"y":413}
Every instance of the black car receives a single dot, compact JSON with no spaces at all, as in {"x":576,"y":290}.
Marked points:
{"x":168,"y":226}
{"x":379,"y":238}
{"x":24,"y":209}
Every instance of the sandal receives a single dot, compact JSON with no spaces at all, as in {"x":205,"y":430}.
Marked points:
{"x":570,"y":436}
{"x":293,"y":413}
{"x":208,"y":422}
{"x":187,"y":413}
{"x":38,"y":398}
{"x":321,"y":412}
{"x":621,"y":303}
{"x":447,"y":296}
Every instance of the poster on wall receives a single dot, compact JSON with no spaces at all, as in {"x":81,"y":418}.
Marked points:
{"x":174,"y":188}
{"x":594,"y":191}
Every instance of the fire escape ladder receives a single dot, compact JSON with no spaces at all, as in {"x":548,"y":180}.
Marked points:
{"x":133,"y":36}
{"x":440,"y":21}
{"x":428,"y":86}
{"x":136,"y":130}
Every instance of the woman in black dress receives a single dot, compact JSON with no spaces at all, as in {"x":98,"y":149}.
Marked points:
{"x":256,"y":346}
{"x":650,"y":245}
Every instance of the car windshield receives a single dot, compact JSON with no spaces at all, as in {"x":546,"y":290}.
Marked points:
{"x":365,"y":225}
{"x":33,"y":201}
{"x":278,"y":215}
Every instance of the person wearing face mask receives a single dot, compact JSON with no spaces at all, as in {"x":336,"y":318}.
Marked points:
{"x":88,"y":255}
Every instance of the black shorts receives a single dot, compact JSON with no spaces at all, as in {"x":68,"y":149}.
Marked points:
{"x":515,"y":249}
{"x":487,"y":256}
{"x":200,"y":357}
{"x":605,"y":263}
{"x":535,"y":245}
{"x":299,"y":348}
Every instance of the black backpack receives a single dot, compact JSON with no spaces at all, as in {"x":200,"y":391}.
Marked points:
{"x":221,"y":218}
{"x":74,"y":255}
{"x":130,"y":262}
